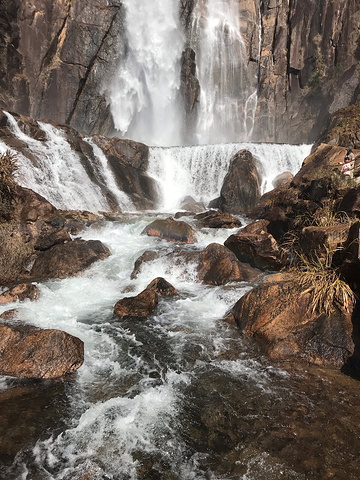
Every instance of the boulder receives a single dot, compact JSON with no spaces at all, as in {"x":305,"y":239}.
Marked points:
{"x":318,"y":242}
{"x":350,"y":203}
{"x":68,"y":259}
{"x":54,"y":238}
{"x":162,"y":287}
{"x":281,"y":320}
{"x":241,"y":189}
{"x":170,"y":230}
{"x":139,"y":307}
{"x":20,"y":293}
{"x":259,"y":250}
{"x":217,"y":219}
{"x":216,"y":265}
{"x":259,"y":227}
{"x":282,"y":179}
{"x":147,"y":257}
{"x":27,"y":351}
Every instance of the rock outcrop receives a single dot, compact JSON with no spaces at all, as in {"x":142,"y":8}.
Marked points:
{"x":28,"y":351}
{"x":281,"y":319}
{"x":241,"y":189}
{"x":68,"y":259}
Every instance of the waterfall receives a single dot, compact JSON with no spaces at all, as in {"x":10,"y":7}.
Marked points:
{"x":55,"y":171}
{"x":228,"y":85}
{"x":199,"y":171}
{"x":145,"y":101}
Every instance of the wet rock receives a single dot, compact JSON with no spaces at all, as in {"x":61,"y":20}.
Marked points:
{"x":27,"y":351}
{"x":217,"y":219}
{"x":68,"y":259}
{"x":139,"y":307}
{"x":282,"y":179}
{"x":241,"y":189}
{"x":281,"y":320}
{"x":162,"y":287}
{"x":146,"y":257}
{"x":129,"y":161}
{"x":171,"y":230}
{"x":259,"y":250}
{"x":20,"y":293}
{"x":190,"y":205}
{"x":217,"y":266}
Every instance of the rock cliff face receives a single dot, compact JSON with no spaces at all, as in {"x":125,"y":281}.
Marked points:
{"x":57,"y":57}
{"x":309,"y":66}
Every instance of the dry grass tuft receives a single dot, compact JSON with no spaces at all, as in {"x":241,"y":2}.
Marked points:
{"x":8,"y":170}
{"x":15,"y":252}
{"x":324,"y":284}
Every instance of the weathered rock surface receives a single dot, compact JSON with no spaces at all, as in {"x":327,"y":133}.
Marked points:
{"x":27,"y":351}
{"x":20,"y":293}
{"x":350,"y":203}
{"x":68,"y":259}
{"x":171,"y":230}
{"x":259,"y":250}
{"x":140,"y":306}
{"x":318,"y":242}
{"x":162,"y":287}
{"x":282,"y":179}
{"x":241,"y":189}
{"x":56,"y":60}
{"x":216,"y":219}
{"x":218,"y":266}
{"x":344,"y":127}
{"x":190,"y":90}
{"x":277,"y":316}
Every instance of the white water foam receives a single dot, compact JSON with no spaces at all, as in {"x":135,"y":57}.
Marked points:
{"x":145,"y":102}
{"x":199,"y":171}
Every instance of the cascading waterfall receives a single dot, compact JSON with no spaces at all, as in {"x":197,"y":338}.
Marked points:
{"x":228,"y":98}
{"x":145,"y":101}
{"x":55,"y":171}
{"x":199,"y":171}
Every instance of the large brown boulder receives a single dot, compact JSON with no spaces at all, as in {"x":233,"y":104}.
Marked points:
{"x":216,"y":219}
{"x":217,"y":266}
{"x":171,"y":230}
{"x":282,"y":179}
{"x":241,"y":189}
{"x":68,"y":259}
{"x":139,"y":307}
{"x":260,"y":250}
{"x":281,"y":320}
{"x":27,"y":351}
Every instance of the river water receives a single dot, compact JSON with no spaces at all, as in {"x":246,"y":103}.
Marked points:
{"x":178,"y":396}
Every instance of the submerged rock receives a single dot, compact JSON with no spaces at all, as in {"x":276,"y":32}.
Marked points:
{"x":27,"y":351}
{"x":68,"y":259}
{"x":281,"y":319}
{"x":171,"y":230}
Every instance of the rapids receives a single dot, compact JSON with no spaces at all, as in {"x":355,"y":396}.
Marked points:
{"x":179,"y":396}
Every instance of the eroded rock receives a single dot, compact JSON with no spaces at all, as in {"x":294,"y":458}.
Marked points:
{"x":27,"y":351}
{"x":140,"y":306}
{"x":20,"y":293}
{"x":171,"y":230}
{"x":217,"y":219}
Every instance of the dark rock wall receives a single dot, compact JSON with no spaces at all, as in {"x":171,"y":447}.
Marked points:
{"x":309,"y":66}
{"x":56,"y":59}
